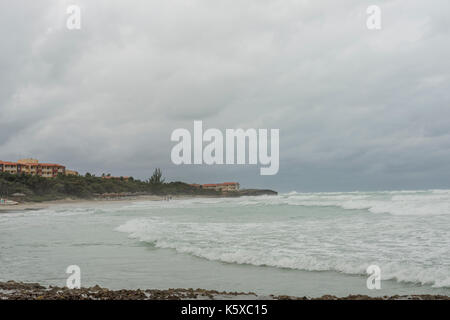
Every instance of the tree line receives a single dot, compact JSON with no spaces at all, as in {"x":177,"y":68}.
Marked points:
{"x":36,"y":188}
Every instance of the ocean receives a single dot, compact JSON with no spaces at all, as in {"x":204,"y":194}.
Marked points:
{"x":301,"y":244}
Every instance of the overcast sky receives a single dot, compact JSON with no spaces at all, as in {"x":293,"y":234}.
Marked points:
{"x":357,"y":109}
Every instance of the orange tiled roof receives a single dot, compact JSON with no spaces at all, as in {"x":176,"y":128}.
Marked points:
{"x":48,"y":165}
{"x":31,"y":164}
{"x":9,"y":163}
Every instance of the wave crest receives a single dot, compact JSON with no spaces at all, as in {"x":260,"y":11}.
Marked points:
{"x":287,"y":245}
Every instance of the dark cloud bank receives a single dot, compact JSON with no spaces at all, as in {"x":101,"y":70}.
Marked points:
{"x":357,"y":109}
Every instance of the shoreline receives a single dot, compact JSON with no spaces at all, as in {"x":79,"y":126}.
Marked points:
{"x":32,"y":206}
{"x":12,"y":290}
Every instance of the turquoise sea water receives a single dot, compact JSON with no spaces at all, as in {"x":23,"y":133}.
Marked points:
{"x":296,"y":243}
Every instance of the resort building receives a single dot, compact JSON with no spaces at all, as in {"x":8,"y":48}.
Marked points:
{"x":10,"y":167}
{"x":71,"y":173}
{"x":34,"y":167}
{"x":226,"y":186}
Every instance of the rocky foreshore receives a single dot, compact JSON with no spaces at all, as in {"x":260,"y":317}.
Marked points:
{"x":12,"y":290}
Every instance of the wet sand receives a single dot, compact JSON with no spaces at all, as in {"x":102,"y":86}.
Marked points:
{"x":31,"y":206}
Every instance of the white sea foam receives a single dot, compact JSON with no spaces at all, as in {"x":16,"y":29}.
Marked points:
{"x":396,"y":203}
{"x":425,"y":203}
{"x":406,"y":233}
{"x":434,"y":202}
{"x":49,"y":213}
{"x":407,"y":248}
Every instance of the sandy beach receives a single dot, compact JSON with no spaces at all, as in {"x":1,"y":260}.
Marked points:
{"x":32,"y":206}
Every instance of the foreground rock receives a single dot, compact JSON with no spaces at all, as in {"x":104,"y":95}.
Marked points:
{"x":12,"y":290}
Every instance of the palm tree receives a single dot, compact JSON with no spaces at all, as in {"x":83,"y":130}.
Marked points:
{"x":156,"y":178}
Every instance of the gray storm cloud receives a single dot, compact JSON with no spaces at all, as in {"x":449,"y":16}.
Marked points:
{"x":356,"y":109}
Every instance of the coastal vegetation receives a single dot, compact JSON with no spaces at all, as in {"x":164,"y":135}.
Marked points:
{"x":27,"y":187}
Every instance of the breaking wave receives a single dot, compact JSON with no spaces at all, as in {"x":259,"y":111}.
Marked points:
{"x":402,"y":254}
{"x":432,"y":202}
